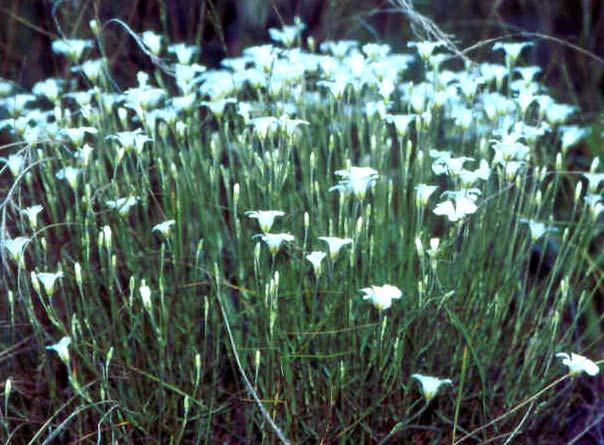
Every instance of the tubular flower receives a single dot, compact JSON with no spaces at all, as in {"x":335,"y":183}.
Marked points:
{"x":381,"y":296}
{"x":274,"y":240}
{"x":265,"y":218}
{"x":356,"y":180}
{"x":335,"y":244}
{"x":430,"y":385}
{"x":578,"y":364}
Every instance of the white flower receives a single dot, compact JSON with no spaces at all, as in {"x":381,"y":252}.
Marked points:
{"x":511,"y":169}
{"x":47,"y":280}
{"x":456,"y":208}
{"x":468,"y":178}
{"x":164,"y":227}
{"x":423,"y":193}
{"x":375,"y":51}
{"x":16,"y":248}
{"x":265,"y":218}
{"x":334,"y":244}
{"x":32,"y":214}
{"x":537,"y":229}
{"x":76,"y":135}
{"x":386,"y":88}
{"x":274,"y":240}
{"x":401,"y":122}
{"x":15,"y":163}
{"x":84,"y":154}
{"x":184,"y":102}
{"x":512,"y":50}
{"x":184,"y":53}
{"x":72,"y":48}
{"x":578,"y":364}
{"x":131,"y":140}
{"x":49,"y":88}
{"x":509,"y":149}
{"x":62,"y":349}
{"x":381,"y":296}
{"x":572,"y":134}
{"x":593,"y":180}
{"x":92,"y":69}
{"x":446,"y":165}
{"x":356,"y":180}
{"x":434,"y":245}
{"x":430,"y":385}
{"x":291,"y":126}
{"x":558,"y":113}
{"x":218,"y":106}
{"x":70,"y":174}
{"x":6,"y":87}
{"x":315,"y":258}
{"x":288,"y":34}
{"x":264,"y":125}
{"x":188,"y":76}
{"x":340,"y":48}
{"x":425,"y":49}
{"x":16,"y":104}
{"x":143,"y":97}
{"x":373,"y":108}
{"x":595,"y":204}
{"x":336,"y":87}
{"x":152,"y":41}
{"x":145,"y":292}
{"x":122,"y":205}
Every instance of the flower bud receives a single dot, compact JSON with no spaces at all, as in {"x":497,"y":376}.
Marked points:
{"x":578,"y":190}
{"x":145,"y":293}
{"x":94,"y":26}
{"x":559,"y":161}
{"x":419,"y":246}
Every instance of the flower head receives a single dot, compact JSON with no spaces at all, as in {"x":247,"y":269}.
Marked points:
{"x":32,"y":214}
{"x":122,"y":205}
{"x":15,"y":163}
{"x":71,"y":48}
{"x":512,"y":50}
{"x":335,"y":244}
{"x":447,"y":165}
{"x":76,"y":135}
{"x":47,"y":280}
{"x":425,"y":49}
{"x":265,"y":218}
{"x":274,"y":240}
{"x":401,"y":122}
{"x":537,"y":229}
{"x":131,"y":140}
{"x":316,"y":258}
{"x":62,"y":349}
{"x":356,"y":180}
{"x":381,"y":296}
{"x":184,"y":53}
{"x":152,"y":41}
{"x":265,"y":125}
{"x":456,"y":208}
{"x":578,"y":364}
{"x":595,"y":203}
{"x":145,"y":292}
{"x":287,"y":35}
{"x":92,"y":69}
{"x":16,"y":248}
{"x":430,"y":385}
{"x":593,"y":180}
{"x":70,"y":174}
{"x":164,"y":227}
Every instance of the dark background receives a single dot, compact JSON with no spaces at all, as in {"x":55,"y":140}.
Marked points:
{"x":224,"y":27}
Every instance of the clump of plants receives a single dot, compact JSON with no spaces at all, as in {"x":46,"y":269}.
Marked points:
{"x":316,"y":242}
